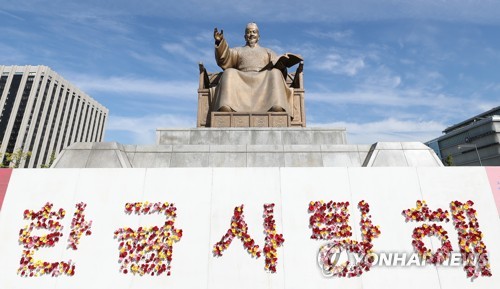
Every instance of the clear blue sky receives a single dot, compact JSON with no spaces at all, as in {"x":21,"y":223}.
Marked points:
{"x":387,"y":70}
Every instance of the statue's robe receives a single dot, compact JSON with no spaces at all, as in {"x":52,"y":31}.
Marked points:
{"x":245,"y":86}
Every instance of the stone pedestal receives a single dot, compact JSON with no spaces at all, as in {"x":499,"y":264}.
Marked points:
{"x":247,"y":147}
{"x":241,"y":119}
{"x":251,"y":136}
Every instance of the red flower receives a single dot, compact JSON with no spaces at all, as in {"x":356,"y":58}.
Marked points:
{"x":147,"y":250}
{"x":470,"y":239}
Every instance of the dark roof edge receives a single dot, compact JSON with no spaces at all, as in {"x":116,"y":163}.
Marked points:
{"x":493,"y":111}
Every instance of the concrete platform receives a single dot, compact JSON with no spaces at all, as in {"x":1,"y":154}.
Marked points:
{"x":254,"y":147}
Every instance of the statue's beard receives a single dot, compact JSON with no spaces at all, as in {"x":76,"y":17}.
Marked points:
{"x":252,"y":40}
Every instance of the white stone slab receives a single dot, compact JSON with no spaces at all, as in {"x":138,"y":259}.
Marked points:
{"x":389,"y":191}
{"x":190,"y":191}
{"x":463,"y":184}
{"x":253,"y":188}
{"x":32,"y":189}
{"x":299,"y":188}
{"x":205,"y":199}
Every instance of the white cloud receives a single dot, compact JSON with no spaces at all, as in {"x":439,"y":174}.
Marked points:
{"x":434,"y":103}
{"x":129,"y":84}
{"x":390,"y":129}
{"x":335,"y":35}
{"x":493,"y":86}
{"x":181,"y":50}
{"x":478,"y":11}
{"x":11,"y":15}
{"x":194,"y":48}
{"x":380,"y":77}
{"x":483,"y":11}
{"x":101,"y":23}
{"x":337,"y":64}
{"x":382,"y":97}
{"x":152,"y":60}
{"x":142,"y":129}
{"x":11,"y":55}
{"x":382,"y":88}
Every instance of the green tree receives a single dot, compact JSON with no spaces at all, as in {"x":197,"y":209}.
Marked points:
{"x":14,"y":159}
{"x":51,"y":161}
{"x":448,"y":161}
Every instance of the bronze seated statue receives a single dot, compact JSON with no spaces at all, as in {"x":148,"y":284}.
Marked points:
{"x":255,"y":89}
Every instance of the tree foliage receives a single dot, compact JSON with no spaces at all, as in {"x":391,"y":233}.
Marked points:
{"x":14,"y":159}
{"x":448,"y":161}
{"x":51,"y":161}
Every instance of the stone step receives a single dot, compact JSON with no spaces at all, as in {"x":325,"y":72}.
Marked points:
{"x":251,"y":136}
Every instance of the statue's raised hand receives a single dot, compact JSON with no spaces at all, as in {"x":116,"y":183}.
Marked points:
{"x":218,"y":36}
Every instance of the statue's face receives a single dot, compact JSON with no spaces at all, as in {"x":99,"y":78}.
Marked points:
{"x":252,"y":35}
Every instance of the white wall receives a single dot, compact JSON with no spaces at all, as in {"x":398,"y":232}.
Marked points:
{"x":205,"y":199}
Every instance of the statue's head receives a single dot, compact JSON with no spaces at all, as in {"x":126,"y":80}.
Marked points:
{"x":252,"y":34}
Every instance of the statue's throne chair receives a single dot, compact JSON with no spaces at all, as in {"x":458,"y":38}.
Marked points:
{"x":207,"y":117}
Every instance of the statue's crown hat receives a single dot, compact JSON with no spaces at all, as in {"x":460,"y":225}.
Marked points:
{"x":252,"y":24}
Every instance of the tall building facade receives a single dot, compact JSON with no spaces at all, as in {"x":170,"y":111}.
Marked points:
{"x":42,"y":113}
{"x":472,"y":142}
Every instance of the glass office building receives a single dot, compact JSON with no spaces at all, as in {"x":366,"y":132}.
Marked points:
{"x":472,"y":142}
{"x":42,"y":113}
